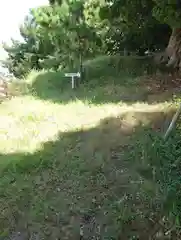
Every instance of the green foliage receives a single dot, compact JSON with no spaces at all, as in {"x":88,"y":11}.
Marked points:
{"x":134,"y":26}
{"x":117,"y":66}
{"x":168,"y":11}
{"x":133,"y":13}
{"x":46,"y":81}
{"x":160,"y":165}
{"x":54,"y":37}
{"x":65,"y":33}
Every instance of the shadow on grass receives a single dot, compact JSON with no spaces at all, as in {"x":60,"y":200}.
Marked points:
{"x":85,"y":178}
{"x":55,"y":87}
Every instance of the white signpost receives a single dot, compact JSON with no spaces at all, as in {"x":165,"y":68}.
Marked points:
{"x":73,"y":75}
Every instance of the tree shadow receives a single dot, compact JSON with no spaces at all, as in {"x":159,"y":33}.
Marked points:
{"x":85,"y":178}
{"x":55,"y":87}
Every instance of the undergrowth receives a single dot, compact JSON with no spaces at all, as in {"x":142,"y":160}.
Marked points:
{"x":88,"y":163}
{"x":158,"y":163}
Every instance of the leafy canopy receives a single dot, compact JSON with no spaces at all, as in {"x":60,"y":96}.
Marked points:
{"x":59,"y":34}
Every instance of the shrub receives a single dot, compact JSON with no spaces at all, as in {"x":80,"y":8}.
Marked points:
{"x":117,"y":66}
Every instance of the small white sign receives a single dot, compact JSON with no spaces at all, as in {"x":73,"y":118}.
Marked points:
{"x":73,"y":75}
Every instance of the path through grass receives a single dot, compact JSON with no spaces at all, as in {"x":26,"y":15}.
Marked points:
{"x":65,"y":170}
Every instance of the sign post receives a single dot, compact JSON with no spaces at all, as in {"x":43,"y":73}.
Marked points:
{"x":73,"y":75}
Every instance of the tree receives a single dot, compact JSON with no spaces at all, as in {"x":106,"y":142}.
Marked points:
{"x":169,"y":12}
{"x":64,"y":32}
{"x":55,"y":36}
{"x":23,"y":56}
{"x":82,"y":34}
{"x":142,"y":14}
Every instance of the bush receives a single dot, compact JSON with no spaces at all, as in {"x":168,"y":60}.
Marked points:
{"x":117,"y":66}
{"x":99,"y":71}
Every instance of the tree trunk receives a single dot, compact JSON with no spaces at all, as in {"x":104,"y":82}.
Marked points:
{"x":173,"y":50}
{"x":171,"y":57}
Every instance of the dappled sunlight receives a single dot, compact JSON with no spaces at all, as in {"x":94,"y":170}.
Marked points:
{"x":28,"y":122}
{"x":73,"y":156}
{"x":81,"y":164}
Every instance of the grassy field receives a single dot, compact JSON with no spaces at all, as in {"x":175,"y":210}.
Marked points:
{"x":70,"y":159}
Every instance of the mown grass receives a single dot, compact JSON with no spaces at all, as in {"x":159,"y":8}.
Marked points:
{"x":72,"y":162}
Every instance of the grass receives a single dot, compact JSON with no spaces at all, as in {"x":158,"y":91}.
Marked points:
{"x":69,"y":161}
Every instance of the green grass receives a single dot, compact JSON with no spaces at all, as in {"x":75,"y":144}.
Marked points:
{"x":69,"y":160}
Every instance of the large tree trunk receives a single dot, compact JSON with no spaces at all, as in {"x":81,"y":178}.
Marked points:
{"x":173,"y":50}
{"x":172,"y":55}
